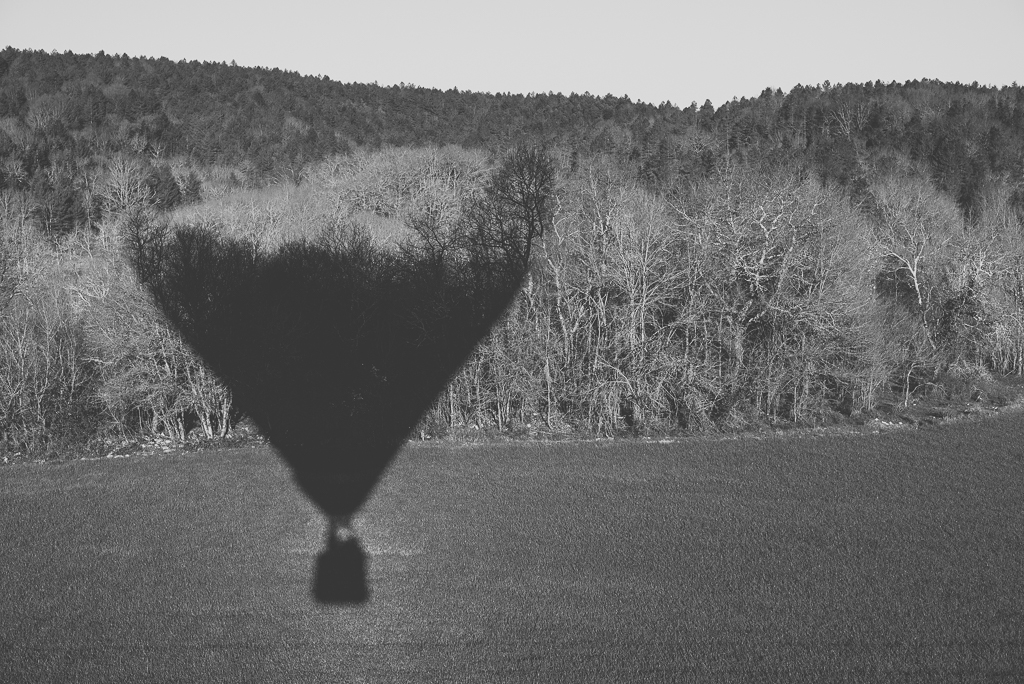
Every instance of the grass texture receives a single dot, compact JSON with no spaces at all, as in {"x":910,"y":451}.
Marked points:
{"x":896,"y":557}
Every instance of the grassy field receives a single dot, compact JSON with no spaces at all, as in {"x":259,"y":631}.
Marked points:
{"x":816,"y":558}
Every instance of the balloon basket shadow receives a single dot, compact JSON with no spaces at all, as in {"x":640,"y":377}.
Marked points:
{"x":341,"y":574}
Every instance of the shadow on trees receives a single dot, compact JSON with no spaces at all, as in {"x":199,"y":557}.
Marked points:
{"x":335,"y":347}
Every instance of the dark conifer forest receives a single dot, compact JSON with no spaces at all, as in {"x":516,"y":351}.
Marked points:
{"x":835,"y":253}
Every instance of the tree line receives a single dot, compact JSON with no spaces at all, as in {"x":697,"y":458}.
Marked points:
{"x":755,"y":297}
{"x":795,"y":257}
{"x":65,"y":118}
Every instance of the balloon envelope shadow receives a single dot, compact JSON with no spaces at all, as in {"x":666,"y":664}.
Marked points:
{"x":335,"y":348}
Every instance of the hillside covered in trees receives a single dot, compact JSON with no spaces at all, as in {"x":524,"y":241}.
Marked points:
{"x":65,"y":116}
{"x":796,"y":257}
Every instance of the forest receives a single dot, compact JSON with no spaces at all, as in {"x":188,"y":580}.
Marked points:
{"x":824,"y":255}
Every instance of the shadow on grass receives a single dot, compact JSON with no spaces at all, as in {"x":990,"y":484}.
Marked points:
{"x":336,"y":347}
{"x":341,"y":573}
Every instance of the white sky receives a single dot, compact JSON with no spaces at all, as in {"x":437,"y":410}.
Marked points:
{"x":652,"y":51}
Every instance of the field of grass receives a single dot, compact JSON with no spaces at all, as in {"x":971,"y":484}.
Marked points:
{"x":815,"y":558}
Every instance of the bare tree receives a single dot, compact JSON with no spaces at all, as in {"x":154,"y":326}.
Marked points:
{"x":124,"y":190}
{"x":916,"y":226}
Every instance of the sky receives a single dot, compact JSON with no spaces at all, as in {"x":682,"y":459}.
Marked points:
{"x":680,"y":52}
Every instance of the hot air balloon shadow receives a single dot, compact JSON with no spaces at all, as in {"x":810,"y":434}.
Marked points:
{"x":335,"y":347}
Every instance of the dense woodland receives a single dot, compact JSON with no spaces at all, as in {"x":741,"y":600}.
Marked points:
{"x":798,"y":257}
